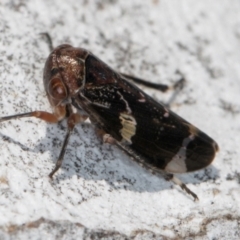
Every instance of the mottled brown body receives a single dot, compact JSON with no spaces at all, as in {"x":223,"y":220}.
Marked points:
{"x":153,"y":135}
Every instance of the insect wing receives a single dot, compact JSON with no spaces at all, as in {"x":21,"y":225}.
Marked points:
{"x":142,"y":126}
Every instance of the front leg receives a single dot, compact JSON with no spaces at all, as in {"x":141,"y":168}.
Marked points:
{"x":72,"y":120}
{"x":60,"y":113}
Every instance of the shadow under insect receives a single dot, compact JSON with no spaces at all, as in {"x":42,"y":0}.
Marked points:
{"x":89,"y":158}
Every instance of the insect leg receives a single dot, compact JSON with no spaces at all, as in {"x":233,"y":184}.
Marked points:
{"x":107,"y":138}
{"x":46,"y":116}
{"x":73,"y":119}
{"x":177,"y":87}
{"x":177,"y":181}
{"x":161,"y":87}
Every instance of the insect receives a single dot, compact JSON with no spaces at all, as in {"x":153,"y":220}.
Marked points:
{"x":154,"y":136}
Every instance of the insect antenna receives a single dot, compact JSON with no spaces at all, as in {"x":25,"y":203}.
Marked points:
{"x":49,"y":40}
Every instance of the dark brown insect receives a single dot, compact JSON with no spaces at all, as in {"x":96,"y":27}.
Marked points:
{"x":124,"y":115}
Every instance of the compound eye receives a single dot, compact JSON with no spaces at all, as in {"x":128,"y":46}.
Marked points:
{"x":56,"y":89}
